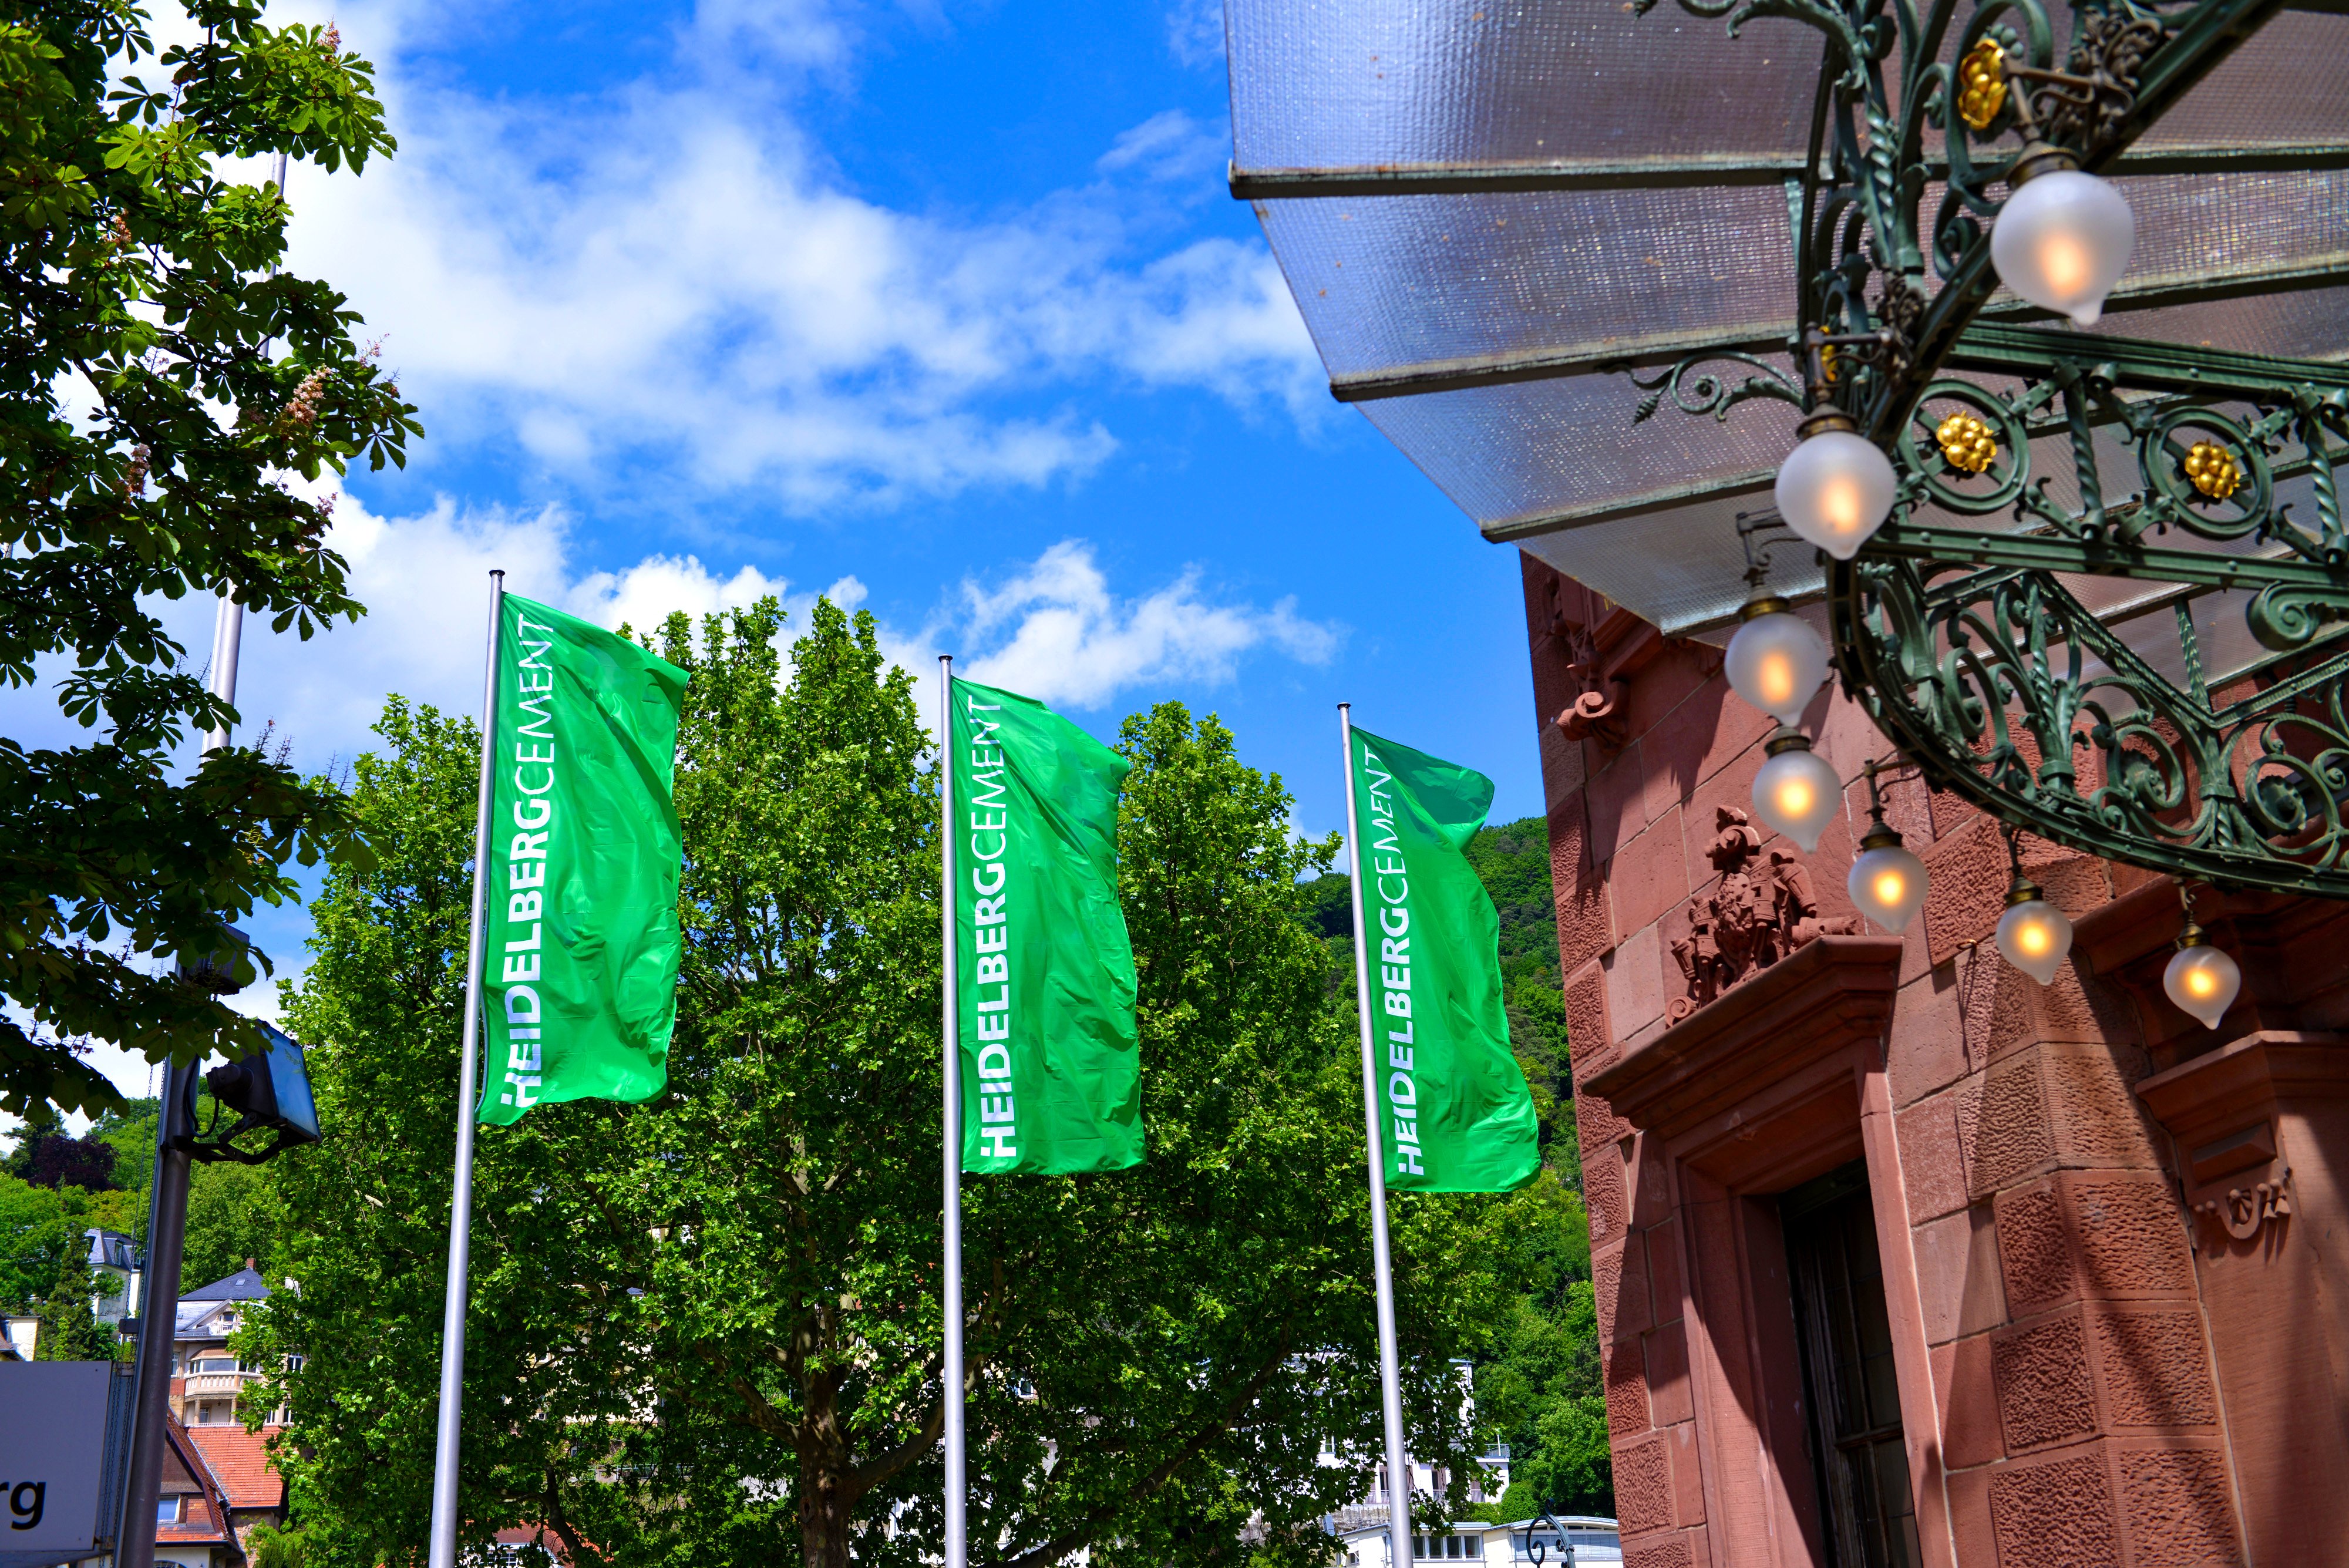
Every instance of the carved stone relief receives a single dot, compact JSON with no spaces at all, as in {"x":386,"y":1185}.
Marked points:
{"x":1603,"y":646}
{"x":2244,"y":1212}
{"x":1762,"y":909}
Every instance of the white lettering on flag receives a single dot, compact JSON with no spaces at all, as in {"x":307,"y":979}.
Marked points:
{"x":535,"y":834}
{"x":1382,"y":867}
{"x":990,"y":807}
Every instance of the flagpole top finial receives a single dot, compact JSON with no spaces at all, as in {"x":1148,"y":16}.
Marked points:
{"x":498,"y":572}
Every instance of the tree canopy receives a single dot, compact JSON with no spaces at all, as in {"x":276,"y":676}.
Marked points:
{"x":159,"y":377}
{"x":706,"y":1328}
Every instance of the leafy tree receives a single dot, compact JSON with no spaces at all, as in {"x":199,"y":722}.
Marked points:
{"x":706,"y":1328}
{"x":68,"y":1331}
{"x":53,"y":1159}
{"x":232,"y":1216}
{"x":1513,"y":861}
{"x":274,"y":1548}
{"x":131,"y":1133}
{"x":37,"y":1241}
{"x":41,"y":1234}
{"x":156,"y":373}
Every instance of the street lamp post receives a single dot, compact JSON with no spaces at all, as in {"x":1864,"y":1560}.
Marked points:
{"x":167,"y":1215}
{"x":270,"y":1091}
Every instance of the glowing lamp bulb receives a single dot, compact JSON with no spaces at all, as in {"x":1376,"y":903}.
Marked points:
{"x":2062,"y":241}
{"x":1777,"y":661}
{"x":1836,"y":488}
{"x":1886,"y":881}
{"x":1796,"y":792}
{"x":2203,"y":982}
{"x":2033,"y":935}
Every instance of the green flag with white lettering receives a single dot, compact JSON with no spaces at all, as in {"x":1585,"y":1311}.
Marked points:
{"x":1051,"y":1075}
{"x":1456,"y":1115}
{"x":579,"y":971}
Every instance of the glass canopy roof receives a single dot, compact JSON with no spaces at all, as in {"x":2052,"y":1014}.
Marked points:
{"x":1495,"y":216}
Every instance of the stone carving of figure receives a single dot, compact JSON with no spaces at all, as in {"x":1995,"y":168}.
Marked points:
{"x":1760,"y":911}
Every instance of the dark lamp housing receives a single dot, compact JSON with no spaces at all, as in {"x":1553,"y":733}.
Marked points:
{"x":223,"y":971}
{"x":269,"y":1090}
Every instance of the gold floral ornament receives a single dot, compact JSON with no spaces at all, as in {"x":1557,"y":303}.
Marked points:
{"x":1982,"y":79}
{"x":2213,"y":470}
{"x":1967,"y":444}
{"x":1827,"y":363}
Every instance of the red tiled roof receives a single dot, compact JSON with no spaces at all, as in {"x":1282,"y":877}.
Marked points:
{"x":534,"y":1535}
{"x":240,"y":1461}
{"x":206,"y":1520}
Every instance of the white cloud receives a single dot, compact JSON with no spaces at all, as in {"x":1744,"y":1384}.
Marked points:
{"x":672,"y":282}
{"x":1054,"y":631}
{"x":647,"y":593}
{"x":1195,"y":31}
{"x":1053,"y":627}
{"x":1167,"y":146}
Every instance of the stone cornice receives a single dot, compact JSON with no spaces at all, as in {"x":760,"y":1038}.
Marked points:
{"x":2209,"y":1094}
{"x":1829,"y":993}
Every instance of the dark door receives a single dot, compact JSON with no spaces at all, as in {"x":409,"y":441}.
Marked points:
{"x":1848,"y":1390}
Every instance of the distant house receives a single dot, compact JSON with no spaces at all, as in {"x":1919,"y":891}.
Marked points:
{"x":114,"y":1261}
{"x":208,"y":1382}
{"x":208,"y":1395}
{"x":1593,"y":1543}
{"x":1488,"y":1480}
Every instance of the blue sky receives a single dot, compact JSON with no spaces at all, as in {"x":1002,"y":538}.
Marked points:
{"x":942,"y":305}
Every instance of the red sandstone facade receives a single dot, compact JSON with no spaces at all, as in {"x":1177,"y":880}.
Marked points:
{"x":2100,"y":1357}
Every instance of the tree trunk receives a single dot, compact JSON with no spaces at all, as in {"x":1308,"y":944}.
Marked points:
{"x":824,"y":1511}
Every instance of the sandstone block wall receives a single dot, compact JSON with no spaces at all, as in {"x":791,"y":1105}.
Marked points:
{"x":2073,"y":1412}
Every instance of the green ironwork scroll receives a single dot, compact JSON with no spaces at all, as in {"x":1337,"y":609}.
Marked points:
{"x":2058,"y":488}
{"x":1972,"y":648}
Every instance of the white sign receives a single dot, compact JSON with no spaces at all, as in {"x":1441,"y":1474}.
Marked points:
{"x":52,"y":1459}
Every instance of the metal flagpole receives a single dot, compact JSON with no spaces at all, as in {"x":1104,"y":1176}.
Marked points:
{"x":228,"y":631}
{"x":461,"y":1216}
{"x":167,"y":1218}
{"x":950,"y":1310}
{"x":1390,"y":1371}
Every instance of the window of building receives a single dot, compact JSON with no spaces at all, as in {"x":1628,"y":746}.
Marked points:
{"x":1849,"y":1391}
{"x":1455,"y":1548}
{"x":216,"y":1363}
{"x":167,"y":1510}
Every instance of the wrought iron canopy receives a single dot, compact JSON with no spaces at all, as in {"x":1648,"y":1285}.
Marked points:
{"x":1589,"y":267}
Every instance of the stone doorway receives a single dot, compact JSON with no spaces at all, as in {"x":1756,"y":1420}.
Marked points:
{"x":1850,"y":1394}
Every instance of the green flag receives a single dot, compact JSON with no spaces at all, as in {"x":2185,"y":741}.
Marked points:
{"x":1051,"y":1076}
{"x":579,"y":968}
{"x":1455,"y":1110}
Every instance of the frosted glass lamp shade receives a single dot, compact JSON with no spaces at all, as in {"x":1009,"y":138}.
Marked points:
{"x":1796,"y":792}
{"x":1776,"y":662}
{"x":2034,"y":936}
{"x":1888,"y":883}
{"x":1835,"y":489}
{"x":2062,"y":241}
{"x":2203,"y":982}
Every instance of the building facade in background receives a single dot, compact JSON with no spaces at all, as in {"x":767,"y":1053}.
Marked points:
{"x":209,"y":1385}
{"x":1900,"y":1257}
